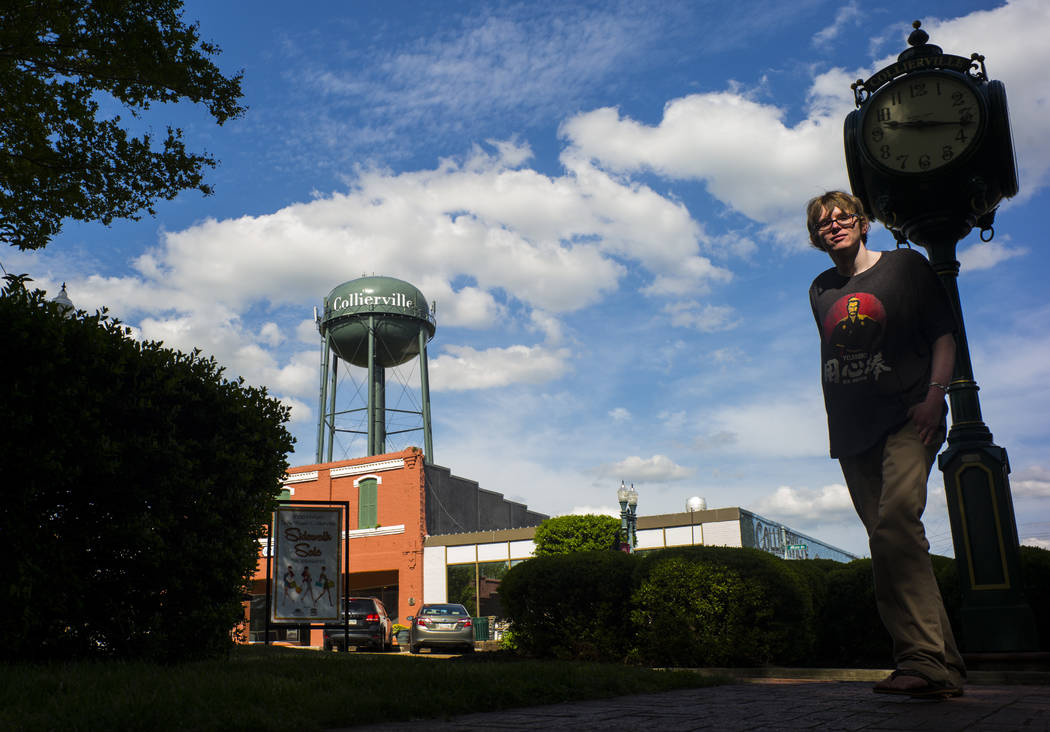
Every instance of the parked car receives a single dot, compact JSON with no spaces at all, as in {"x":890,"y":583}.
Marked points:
{"x":368,"y":625}
{"x":442,"y":626}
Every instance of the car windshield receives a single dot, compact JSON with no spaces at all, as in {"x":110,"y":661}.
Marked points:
{"x":361,"y":606}
{"x":444,"y":610}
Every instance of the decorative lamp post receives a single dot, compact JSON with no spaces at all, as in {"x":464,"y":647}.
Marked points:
{"x":63,"y":301}
{"x":929,"y":153}
{"x":628,"y":499}
{"x":694,"y":504}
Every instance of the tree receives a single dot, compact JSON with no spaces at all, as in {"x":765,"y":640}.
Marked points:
{"x":567,"y":534}
{"x":60,"y":158}
{"x":139,"y":485}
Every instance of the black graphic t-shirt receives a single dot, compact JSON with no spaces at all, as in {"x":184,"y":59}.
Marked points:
{"x":877,"y":330}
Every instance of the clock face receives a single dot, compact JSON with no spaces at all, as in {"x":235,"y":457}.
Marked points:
{"x":921,"y":123}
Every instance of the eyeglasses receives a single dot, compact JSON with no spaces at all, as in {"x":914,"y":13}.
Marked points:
{"x":845,"y":221}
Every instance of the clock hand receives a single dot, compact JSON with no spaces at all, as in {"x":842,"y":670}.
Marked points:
{"x":925,"y":123}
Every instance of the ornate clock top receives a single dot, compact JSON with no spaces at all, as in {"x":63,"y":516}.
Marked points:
{"x":919,"y":46}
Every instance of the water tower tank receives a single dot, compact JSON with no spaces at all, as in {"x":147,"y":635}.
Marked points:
{"x":397,"y":310}
{"x":374,"y":323}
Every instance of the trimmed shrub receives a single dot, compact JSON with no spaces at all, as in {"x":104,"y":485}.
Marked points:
{"x":700,"y":614}
{"x":571,"y":605}
{"x":139,"y":485}
{"x":720,"y":606}
{"x":1035,"y":566}
{"x":851,"y":632}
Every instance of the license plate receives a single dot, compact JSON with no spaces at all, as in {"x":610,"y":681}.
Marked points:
{"x":352,"y":622}
{"x":446,"y":626}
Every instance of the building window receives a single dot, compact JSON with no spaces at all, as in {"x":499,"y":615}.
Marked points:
{"x":476,"y":586}
{"x":462,"y":586}
{"x":490,"y":574}
{"x":368,"y":504}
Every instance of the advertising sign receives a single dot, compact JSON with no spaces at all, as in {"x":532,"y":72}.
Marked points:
{"x":307,"y":565}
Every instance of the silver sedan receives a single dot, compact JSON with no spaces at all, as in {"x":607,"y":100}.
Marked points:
{"x":442,"y":626}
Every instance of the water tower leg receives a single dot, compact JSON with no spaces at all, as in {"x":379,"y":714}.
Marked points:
{"x":372,"y":385}
{"x":379,"y":385}
{"x":424,"y":388}
{"x":325,"y":355}
{"x":331,"y":407}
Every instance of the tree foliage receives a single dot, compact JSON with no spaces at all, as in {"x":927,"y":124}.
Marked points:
{"x":567,"y":534}
{"x":61,"y":63}
{"x":138,"y":487}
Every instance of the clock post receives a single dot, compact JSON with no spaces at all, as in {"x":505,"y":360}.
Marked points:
{"x":929,"y":153}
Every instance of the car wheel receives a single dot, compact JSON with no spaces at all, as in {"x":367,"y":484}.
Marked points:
{"x":469,"y":649}
{"x":413,"y":649}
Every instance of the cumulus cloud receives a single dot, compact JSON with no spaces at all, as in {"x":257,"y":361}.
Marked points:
{"x":705,"y":318}
{"x":778,"y":426}
{"x":655,"y":469}
{"x":1033,"y":481}
{"x":827,"y":503}
{"x":462,"y":367}
{"x":722,"y":137}
{"x":985,"y":255}
{"x":846,"y":17}
{"x":619,"y":414}
{"x":488,"y":240}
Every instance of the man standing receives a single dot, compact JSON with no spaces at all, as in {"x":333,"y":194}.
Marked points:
{"x":884,"y":394}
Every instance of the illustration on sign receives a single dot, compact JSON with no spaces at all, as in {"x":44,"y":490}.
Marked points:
{"x":307,"y":561}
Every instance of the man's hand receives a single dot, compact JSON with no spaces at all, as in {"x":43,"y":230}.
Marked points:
{"x":928,"y":415}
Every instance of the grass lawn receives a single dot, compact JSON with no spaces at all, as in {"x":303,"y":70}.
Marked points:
{"x":277,"y":688}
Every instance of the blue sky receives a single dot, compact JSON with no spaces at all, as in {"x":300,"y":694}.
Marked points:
{"x":605,"y":200}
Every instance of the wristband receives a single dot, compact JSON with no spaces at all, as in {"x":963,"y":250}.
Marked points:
{"x":942,"y":387}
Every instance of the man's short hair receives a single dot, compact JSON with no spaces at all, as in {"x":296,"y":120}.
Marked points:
{"x":846,"y":203}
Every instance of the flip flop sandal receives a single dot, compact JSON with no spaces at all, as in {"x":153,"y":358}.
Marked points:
{"x":931,"y":690}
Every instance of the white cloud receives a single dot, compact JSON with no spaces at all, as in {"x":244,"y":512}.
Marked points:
{"x":827,"y":503}
{"x":619,"y":414}
{"x":985,"y":255}
{"x":721,"y":138}
{"x":635,"y":469}
{"x":1036,"y":542}
{"x":1011,"y":37}
{"x":606,"y":510}
{"x":1033,"y":481}
{"x":845,"y":17}
{"x":486,"y":63}
{"x":490,"y":242}
{"x":270,"y":334}
{"x":705,"y":318}
{"x":777,"y":426}
{"x":463,"y":367}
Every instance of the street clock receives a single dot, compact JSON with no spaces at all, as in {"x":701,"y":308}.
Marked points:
{"x":922,"y":122}
{"x":929,"y":153}
{"x":928,"y":149}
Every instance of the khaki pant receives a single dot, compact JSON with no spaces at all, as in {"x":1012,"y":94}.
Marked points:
{"x":887,"y":483}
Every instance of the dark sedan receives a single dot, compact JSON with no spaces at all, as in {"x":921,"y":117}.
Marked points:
{"x":368,"y":625}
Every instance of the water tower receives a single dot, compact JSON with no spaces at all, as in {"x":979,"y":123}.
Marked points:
{"x":374,"y":323}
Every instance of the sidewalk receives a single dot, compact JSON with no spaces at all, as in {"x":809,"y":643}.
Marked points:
{"x":774,"y":704}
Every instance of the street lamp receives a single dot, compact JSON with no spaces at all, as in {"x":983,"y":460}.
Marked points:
{"x":694,"y":504}
{"x":628,"y":499}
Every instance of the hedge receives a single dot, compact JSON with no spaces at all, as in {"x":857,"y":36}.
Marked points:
{"x":718,"y":606}
{"x":140,"y":483}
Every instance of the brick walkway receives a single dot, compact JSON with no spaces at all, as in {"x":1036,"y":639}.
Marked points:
{"x":772,"y":704}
